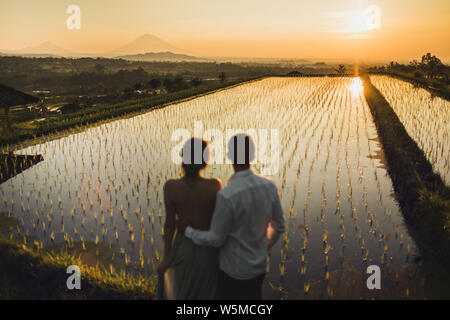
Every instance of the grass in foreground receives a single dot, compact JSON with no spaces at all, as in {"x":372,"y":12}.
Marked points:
{"x":36,"y":274}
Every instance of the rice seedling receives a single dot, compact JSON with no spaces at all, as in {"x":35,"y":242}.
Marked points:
{"x":426,"y":119}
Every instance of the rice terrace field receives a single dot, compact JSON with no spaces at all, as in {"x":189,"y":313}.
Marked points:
{"x":103,"y":186}
{"x":425,"y":118}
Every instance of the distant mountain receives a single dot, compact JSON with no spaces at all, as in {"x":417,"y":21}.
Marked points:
{"x":28,"y":55}
{"x":161,"y":56}
{"x":145,"y":43}
{"x":47,"y":48}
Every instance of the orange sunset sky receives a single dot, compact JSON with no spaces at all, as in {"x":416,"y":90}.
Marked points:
{"x":236,"y":28}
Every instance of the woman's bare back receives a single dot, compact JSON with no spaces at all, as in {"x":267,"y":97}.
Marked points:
{"x":193,"y":199}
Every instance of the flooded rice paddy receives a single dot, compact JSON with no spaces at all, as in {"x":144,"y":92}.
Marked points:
{"x":426,"y":119}
{"x":104,"y":185}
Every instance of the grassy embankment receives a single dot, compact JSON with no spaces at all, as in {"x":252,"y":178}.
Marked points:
{"x":77,"y":121}
{"x":11,"y":164}
{"x":423,"y":196}
{"x":38,"y":273}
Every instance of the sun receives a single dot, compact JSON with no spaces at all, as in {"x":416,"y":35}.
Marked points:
{"x":358,"y":21}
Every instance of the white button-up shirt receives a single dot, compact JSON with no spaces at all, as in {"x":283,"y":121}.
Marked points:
{"x":244,"y":211}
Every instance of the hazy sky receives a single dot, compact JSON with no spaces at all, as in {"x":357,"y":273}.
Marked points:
{"x":239,"y":28}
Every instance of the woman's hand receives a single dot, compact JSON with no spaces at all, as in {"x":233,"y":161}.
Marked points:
{"x":162,"y":267}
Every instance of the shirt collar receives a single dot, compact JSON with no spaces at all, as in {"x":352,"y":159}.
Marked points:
{"x":242,"y":174}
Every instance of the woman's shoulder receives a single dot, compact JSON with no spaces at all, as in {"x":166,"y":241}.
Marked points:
{"x":215,"y":183}
{"x":171,"y":184}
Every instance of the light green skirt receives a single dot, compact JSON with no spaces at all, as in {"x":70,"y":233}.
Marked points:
{"x":192,"y":271}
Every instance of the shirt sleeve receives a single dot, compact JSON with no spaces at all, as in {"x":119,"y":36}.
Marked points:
{"x":277,"y":214}
{"x":220,"y":226}
{"x":277,"y":225}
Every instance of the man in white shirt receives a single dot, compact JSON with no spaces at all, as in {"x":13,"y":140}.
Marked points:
{"x":247,"y":222}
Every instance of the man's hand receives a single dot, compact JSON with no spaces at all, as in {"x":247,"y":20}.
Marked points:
{"x":182,"y":224}
{"x":162,"y":267}
{"x":272,"y":237}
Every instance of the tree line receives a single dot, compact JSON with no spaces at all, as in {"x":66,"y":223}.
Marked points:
{"x":430,"y":67}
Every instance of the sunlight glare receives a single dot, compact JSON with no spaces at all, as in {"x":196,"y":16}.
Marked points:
{"x":356,"y":87}
{"x":358,"y":21}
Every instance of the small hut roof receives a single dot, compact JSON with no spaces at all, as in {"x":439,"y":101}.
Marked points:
{"x":11,"y":97}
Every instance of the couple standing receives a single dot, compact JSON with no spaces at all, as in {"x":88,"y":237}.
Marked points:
{"x":216,"y":240}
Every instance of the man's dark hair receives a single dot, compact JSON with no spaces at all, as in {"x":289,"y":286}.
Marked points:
{"x":241,"y":149}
